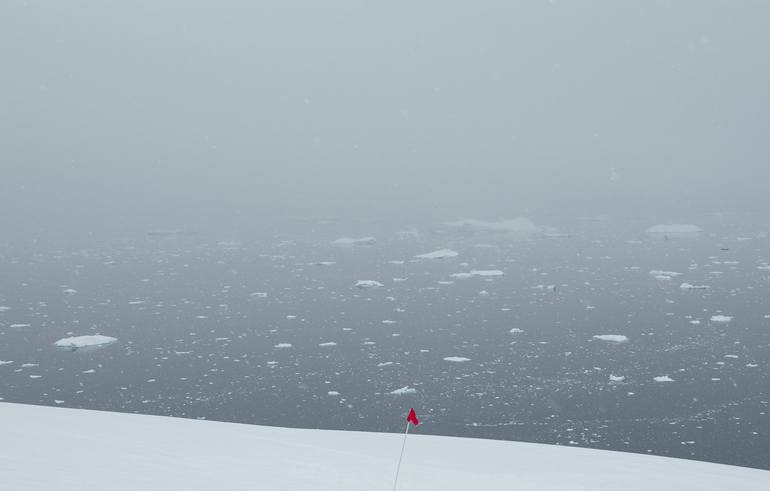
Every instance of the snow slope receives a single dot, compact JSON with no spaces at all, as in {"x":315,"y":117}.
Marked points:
{"x":43,"y":448}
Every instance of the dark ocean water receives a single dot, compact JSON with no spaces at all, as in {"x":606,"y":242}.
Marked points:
{"x":199,"y":318}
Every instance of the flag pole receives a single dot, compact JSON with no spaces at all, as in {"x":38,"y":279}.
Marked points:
{"x":403,"y":445}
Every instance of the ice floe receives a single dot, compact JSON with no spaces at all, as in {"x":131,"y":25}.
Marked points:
{"x":355,"y":241}
{"x":364,"y":284}
{"x":439,"y":254}
{"x":612,"y":338}
{"x":78,"y":342}
{"x":403,"y":391}
{"x":688,"y":286}
{"x":456,"y":359}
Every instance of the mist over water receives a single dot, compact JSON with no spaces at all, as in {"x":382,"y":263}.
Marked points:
{"x":174,"y":175}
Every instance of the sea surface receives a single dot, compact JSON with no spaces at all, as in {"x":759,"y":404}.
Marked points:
{"x":269,"y":328}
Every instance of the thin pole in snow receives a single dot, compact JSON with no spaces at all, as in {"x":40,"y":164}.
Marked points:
{"x":398,"y":469}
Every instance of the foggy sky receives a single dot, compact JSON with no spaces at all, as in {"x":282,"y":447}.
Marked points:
{"x":189,"y":113}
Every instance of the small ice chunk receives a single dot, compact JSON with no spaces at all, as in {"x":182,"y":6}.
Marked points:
{"x":365,"y":284}
{"x":663,"y":378}
{"x":617,"y":378}
{"x":688,"y":286}
{"x":333,"y":393}
{"x":456,"y":359}
{"x":403,"y":391}
{"x":439,"y":254}
{"x":355,"y":241}
{"x":330,"y":343}
{"x":612,"y":338}
{"x":721,"y":318}
{"x":283,"y":345}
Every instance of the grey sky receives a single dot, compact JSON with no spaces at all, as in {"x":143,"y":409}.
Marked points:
{"x":190,"y":111}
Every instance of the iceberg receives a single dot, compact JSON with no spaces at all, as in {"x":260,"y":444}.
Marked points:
{"x":440,"y":254}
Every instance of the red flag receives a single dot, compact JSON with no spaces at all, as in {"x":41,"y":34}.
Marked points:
{"x":412,"y":418}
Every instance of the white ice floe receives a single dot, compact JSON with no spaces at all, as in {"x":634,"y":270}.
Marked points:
{"x":4,"y":362}
{"x":69,"y":291}
{"x":688,"y":286}
{"x":258,"y":295}
{"x":364,"y":284}
{"x":439,"y":254}
{"x":330,"y":343}
{"x":456,"y":359}
{"x":355,"y":241}
{"x":664,"y":275}
{"x":721,"y":318}
{"x":486,"y":273}
{"x":19,"y":326}
{"x":77,"y":342}
{"x":617,"y":378}
{"x":403,"y":390}
{"x":663,"y":378}
{"x":4,"y":308}
{"x":612,"y":338}
{"x":516,"y":330}
{"x":283,"y":345}
{"x":333,"y":393}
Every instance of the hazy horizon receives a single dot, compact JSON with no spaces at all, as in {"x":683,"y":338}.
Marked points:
{"x":195,"y":114}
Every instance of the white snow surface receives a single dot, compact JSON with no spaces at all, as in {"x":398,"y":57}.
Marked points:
{"x":439,"y":254}
{"x":47,"y":448}
{"x":83,"y":341}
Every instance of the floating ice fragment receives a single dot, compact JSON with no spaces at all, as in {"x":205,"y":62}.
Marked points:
{"x":456,"y":359}
{"x":355,"y":241}
{"x":721,"y":318}
{"x":365,"y":284}
{"x":78,"y":342}
{"x":688,"y":286}
{"x":283,"y":345}
{"x":330,"y":343}
{"x":403,"y":391}
{"x":612,"y":338}
{"x":663,"y":378}
{"x":440,"y":254}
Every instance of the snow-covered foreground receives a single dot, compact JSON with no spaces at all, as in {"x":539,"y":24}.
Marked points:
{"x":47,"y":448}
